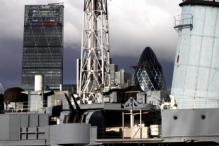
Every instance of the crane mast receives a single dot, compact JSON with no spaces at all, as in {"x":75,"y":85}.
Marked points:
{"x":95,"y":59}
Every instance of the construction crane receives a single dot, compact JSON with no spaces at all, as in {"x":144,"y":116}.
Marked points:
{"x":95,"y":58}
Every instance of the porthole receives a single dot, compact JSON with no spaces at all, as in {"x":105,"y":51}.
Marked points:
{"x":175,"y":117}
{"x":203,"y":117}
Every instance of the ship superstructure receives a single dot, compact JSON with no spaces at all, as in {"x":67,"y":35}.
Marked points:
{"x":195,"y":79}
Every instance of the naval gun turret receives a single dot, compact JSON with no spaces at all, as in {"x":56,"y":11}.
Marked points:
{"x":74,"y":115}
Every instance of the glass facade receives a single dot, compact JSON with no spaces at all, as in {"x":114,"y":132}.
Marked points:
{"x":148,"y":72}
{"x":43,"y":45}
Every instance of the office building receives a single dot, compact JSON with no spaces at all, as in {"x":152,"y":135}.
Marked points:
{"x":113,"y":70}
{"x":148,"y":72}
{"x":43,"y":45}
{"x":119,"y":77}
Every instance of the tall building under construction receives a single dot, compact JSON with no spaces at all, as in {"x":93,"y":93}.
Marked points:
{"x":43,"y":45}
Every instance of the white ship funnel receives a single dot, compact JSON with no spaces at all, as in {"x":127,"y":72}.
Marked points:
{"x":196,"y":70}
{"x":38,"y":82}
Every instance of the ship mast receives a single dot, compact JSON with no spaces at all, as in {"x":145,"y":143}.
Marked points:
{"x":95,"y":60}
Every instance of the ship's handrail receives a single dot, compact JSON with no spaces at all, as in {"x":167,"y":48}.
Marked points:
{"x":183,"y":21}
{"x":33,"y":106}
{"x":195,"y":104}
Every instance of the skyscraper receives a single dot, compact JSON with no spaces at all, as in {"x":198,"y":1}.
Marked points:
{"x":43,"y":45}
{"x":148,"y":72}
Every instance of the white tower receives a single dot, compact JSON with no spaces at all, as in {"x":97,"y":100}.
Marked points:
{"x":196,"y":71}
{"x":95,"y":60}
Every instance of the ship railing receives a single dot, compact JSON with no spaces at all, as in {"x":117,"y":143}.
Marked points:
{"x":183,"y":21}
{"x":33,"y":106}
{"x":196,"y":103}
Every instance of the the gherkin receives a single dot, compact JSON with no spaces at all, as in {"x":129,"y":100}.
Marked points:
{"x":148,"y":72}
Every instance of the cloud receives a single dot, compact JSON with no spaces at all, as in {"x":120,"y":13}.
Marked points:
{"x":10,"y":62}
{"x":133,"y":25}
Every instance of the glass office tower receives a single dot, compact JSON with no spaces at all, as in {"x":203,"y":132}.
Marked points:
{"x":43,"y":45}
{"x":148,"y":72}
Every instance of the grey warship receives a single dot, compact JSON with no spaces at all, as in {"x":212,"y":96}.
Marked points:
{"x":106,"y":109}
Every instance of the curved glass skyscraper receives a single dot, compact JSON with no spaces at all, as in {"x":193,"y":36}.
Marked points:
{"x":148,"y":72}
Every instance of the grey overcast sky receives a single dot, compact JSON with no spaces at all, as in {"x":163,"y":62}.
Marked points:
{"x":133,"y":25}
